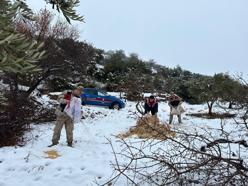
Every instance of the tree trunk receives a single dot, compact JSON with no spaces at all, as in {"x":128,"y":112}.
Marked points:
{"x":210,"y":108}
{"x":230,"y":105}
{"x":34,"y":86}
{"x":12,"y":97}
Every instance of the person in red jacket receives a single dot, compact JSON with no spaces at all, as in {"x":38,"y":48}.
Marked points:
{"x":151,"y":105}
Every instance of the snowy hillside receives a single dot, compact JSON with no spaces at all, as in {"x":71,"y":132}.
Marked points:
{"x":89,"y":162}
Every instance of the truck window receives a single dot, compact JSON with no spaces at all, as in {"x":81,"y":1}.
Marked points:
{"x":101,"y":93}
{"x":92,"y":92}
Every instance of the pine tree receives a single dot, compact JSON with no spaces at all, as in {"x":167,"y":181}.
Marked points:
{"x":67,"y":8}
{"x":18,"y":55}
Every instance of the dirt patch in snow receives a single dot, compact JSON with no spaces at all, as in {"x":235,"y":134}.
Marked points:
{"x":213,"y":115}
{"x":149,"y":127}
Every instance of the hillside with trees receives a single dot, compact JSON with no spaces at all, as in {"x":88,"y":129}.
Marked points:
{"x":70,"y":61}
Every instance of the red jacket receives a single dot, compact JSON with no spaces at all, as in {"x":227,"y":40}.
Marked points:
{"x":151,"y":103}
{"x":67,"y":96}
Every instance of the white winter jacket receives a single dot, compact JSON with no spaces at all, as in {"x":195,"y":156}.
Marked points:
{"x":73,"y":109}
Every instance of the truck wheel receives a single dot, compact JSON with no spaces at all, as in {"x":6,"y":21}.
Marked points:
{"x":116,"y":106}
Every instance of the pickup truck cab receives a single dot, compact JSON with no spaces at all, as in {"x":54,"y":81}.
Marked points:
{"x":95,"y":97}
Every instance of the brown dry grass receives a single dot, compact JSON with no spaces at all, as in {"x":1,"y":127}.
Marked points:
{"x":149,"y":127}
{"x":52,"y":154}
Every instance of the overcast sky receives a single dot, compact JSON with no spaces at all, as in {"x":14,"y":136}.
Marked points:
{"x":205,"y":36}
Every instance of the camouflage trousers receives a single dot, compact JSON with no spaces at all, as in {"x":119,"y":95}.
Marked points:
{"x":63,"y":120}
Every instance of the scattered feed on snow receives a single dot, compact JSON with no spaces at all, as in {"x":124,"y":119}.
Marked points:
{"x":151,"y":128}
{"x":52,"y":154}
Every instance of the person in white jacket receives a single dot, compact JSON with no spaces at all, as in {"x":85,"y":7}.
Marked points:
{"x":175,"y":103}
{"x":67,"y":115}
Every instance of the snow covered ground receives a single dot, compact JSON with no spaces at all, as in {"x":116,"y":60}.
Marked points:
{"x":89,"y":162}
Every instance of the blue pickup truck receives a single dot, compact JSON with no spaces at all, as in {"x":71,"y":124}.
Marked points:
{"x":93,"y":96}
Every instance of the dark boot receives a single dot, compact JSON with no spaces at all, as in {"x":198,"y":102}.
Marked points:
{"x":53,"y":144}
{"x":171,"y":119}
{"x":69,"y":144}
